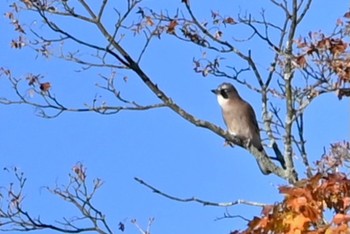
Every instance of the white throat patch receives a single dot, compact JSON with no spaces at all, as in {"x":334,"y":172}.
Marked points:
{"x":221,"y":100}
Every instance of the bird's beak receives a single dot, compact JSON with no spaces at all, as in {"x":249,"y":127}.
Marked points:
{"x":215,"y":91}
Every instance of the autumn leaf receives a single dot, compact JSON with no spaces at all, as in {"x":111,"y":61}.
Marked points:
{"x":257,"y":222}
{"x":45,"y":86}
{"x":339,"y":48}
{"x":32,"y":79}
{"x":9,"y":15}
{"x":301,"y":61}
{"x":296,"y":223}
{"x":80,"y":171}
{"x":28,"y":3}
{"x":341,"y":218}
{"x":324,"y":43}
{"x":347,"y":15}
{"x":229,"y":20}
{"x":267,"y":209}
{"x":149,"y":21}
{"x":171,"y":27}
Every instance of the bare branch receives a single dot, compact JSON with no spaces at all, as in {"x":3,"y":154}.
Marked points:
{"x":203,"y":202}
{"x":77,"y":192}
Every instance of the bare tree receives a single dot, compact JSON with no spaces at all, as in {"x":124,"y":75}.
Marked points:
{"x":319,"y":60}
{"x":79,"y":192}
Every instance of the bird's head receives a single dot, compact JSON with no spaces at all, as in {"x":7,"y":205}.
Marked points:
{"x":226,"y":91}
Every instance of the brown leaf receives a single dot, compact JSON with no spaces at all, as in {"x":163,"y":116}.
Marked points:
{"x":339,"y":48}
{"x":347,"y":15}
{"x":256,"y":223}
{"x":324,"y":44}
{"x":149,"y":21}
{"x":9,"y":15}
{"x":45,"y":86}
{"x":171,"y":27}
{"x":32,"y":79}
{"x":229,"y":20}
{"x":80,"y":171}
{"x":301,"y":61}
{"x":267,"y":209}
{"x":28,"y":3}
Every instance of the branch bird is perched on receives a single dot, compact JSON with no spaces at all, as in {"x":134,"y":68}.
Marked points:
{"x":240,"y":118}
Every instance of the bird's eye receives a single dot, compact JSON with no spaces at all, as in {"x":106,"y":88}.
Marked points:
{"x":224,"y":93}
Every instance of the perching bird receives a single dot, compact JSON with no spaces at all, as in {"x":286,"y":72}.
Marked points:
{"x":240,"y":118}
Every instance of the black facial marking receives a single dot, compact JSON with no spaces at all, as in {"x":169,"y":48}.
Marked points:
{"x":224,"y":93}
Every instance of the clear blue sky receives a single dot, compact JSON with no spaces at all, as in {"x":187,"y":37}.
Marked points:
{"x":157,"y":145}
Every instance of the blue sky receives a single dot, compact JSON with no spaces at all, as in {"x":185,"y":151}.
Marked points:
{"x":156,"y":145}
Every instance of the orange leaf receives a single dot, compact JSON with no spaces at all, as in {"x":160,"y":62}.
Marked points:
{"x":341,"y":218}
{"x":258,"y":223}
{"x":267,"y":209}
{"x":297,"y":223}
{"x":338,"y":218}
{"x":346,"y":202}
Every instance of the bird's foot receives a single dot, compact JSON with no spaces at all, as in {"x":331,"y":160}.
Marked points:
{"x":228,"y":143}
{"x":247,"y":143}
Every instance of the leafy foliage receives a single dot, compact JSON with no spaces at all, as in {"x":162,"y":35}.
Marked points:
{"x":307,"y":203}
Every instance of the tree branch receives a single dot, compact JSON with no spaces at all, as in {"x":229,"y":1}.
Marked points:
{"x":197,"y":200}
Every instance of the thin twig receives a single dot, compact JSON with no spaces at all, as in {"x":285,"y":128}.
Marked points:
{"x":203,"y":202}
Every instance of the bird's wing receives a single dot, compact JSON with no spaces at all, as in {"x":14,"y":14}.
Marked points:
{"x":252,"y":118}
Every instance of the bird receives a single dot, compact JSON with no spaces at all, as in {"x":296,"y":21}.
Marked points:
{"x":240,"y":118}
